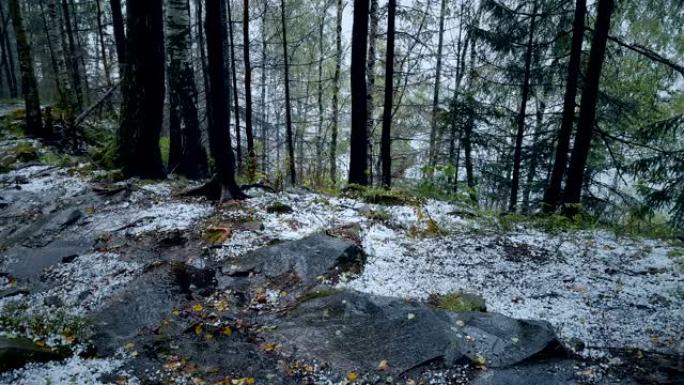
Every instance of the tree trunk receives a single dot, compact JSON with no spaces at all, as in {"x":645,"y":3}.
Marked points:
{"x":372,"y":37}
{"x":386,"y":141}
{"x":358,"y":152}
{"x":103,"y":49}
{"x":336,"y":95}
{"x":587,"y":114}
{"x":8,"y":57}
{"x":224,"y":184}
{"x":186,"y":152}
{"x":319,"y":130}
{"x":73,"y":60}
{"x":29,"y":85}
{"x":50,"y":23}
{"x":553,"y":190}
{"x":264,"y":133}
{"x":251,"y":161}
{"x":202,"y":51}
{"x":288,"y":107}
{"x":517,"y":153}
{"x":433,"y":150}
{"x":236,"y":101}
{"x":532,"y":171}
{"x":119,"y":32}
{"x":143,"y":92}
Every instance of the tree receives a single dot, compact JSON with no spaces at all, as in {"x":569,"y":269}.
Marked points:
{"x":143,"y":91}
{"x":336,"y":94}
{"x":186,"y":151}
{"x":119,"y":32}
{"x":435,"y":96}
{"x":29,"y":85}
{"x":7,"y":58}
{"x":73,"y":56}
{"x":587,"y":114}
{"x":386,"y":143}
{"x":517,"y":156}
{"x":288,"y":106}
{"x":223,"y":185}
{"x":553,"y":190}
{"x":358,"y":153}
{"x":251,"y":161}
{"x":233,"y":75}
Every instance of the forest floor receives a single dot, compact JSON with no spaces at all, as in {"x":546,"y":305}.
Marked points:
{"x":130,"y":282}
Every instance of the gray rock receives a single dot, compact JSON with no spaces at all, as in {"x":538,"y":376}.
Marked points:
{"x":17,"y":352}
{"x":497,"y":341}
{"x":146,"y":302}
{"x":354,"y":331}
{"x":552,"y":372}
{"x":308,"y":258}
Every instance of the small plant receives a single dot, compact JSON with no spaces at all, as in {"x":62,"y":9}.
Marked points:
{"x":458,"y":302}
{"x":56,"y":329}
{"x":278,"y":208}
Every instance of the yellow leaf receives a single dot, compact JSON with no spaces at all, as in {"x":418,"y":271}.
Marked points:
{"x":227,"y":331}
{"x":197,"y":308}
{"x":198,"y":329}
{"x":268,"y":347}
{"x":383,"y":365}
{"x":175,"y":312}
{"x":352,"y":376}
{"x":40,"y":343}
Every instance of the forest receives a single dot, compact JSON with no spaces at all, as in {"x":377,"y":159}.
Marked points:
{"x":485,"y":192}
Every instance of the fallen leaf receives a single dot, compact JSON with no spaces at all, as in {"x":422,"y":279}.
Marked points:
{"x":383,"y":365}
{"x":352,"y":376}
{"x":227,"y":331}
{"x":199,"y":329}
{"x":197,"y":308}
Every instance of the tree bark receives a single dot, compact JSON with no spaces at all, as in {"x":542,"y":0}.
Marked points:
{"x":587,"y":114}
{"x":264,"y":133}
{"x":143,"y":92}
{"x":358,"y":152}
{"x":236,"y":101}
{"x":372,"y":39}
{"x":29,"y":85}
{"x":288,"y":107}
{"x":385,"y":140}
{"x":8,"y":57}
{"x":186,"y":151}
{"x":251,"y":155}
{"x":553,"y":190}
{"x":119,"y":32}
{"x":517,"y":153}
{"x":224,"y":184}
{"x":319,"y":130}
{"x":336,"y":95}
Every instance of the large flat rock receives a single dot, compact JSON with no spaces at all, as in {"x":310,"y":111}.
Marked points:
{"x":354,"y":331}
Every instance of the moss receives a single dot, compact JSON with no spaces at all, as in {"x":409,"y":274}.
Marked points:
{"x":18,"y":320}
{"x":25,"y":152}
{"x":164,"y":147}
{"x":458,"y":302}
{"x":377,"y":215}
{"x":316,"y":294}
{"x":278,"y":208}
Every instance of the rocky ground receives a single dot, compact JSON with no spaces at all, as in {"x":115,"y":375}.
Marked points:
{"x":132,"y":283}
